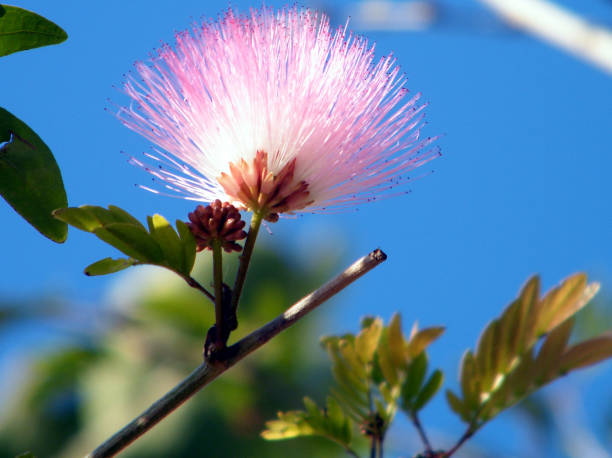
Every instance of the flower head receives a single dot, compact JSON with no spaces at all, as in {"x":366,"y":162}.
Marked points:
{"x":276,"y":113}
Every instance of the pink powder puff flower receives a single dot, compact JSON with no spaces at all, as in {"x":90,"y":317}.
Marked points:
{"x":276,"y":113}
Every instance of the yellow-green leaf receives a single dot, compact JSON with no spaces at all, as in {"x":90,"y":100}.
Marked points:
{"x":367,"y":341}
{"x":560,"y":303}
{"x":422,"y":339}
{"x":587,"y":353}
{"x":549,"y":356}
{"x":395,"y":341}
{"x":108,"y":266}
{"x":168,"y":240}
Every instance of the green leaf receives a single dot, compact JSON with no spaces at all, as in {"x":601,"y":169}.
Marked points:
{"x":131,"y":240}
{"x":553,"y":347}
{"x":422,"y":339}
{"x":331,"y":423}
{"x":90,"y":217}
{"x":30,"y":180}
{"x":169,"y":242}
{"x":564,"y":301}
{"x":289,"y":425}
{"x":108,"y":266}
{"x":586,"y":353}
{"x":429,"y":390}
{"x":396,"y":341}
{"x":528,"y":314}
{"x":469,"y":380}
{"x":22,"y":29}
{"x":414,"y":379}
{"x":119,"y":215}
{"x":161,"y":246}
{"x":188,"y":243}
{"x":384,"y":366}
{"x":340,"y":425}
{"x":367,"y":341}
{"x":483,"y":355}
{"x":367,"y":321}
{"x":504,"y":370}
{"x":457,"y":406}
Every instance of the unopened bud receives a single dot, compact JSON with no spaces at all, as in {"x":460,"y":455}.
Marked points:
{"x":217,"y":221}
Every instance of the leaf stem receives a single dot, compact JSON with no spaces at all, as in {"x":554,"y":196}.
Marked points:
{"x":245,"y":259}
{"x":218,"y":282}
{"x":207,"y":372}
{"x":194,"y":284}
{"x":419,"y":427}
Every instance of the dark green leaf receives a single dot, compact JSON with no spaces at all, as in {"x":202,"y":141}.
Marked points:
{"x":366,"y":321}
{"x":457,"y":405}
{"x":108,"y":266}
{"x":30,"y":179}
{"x":121,"y":216}
{"x":414,"y":379}
{"x":131,"y":240}
{"x":189,"y":245}
{"x":21,"y":29}
{"x":78,"y":217}
{"x":429,"y":390}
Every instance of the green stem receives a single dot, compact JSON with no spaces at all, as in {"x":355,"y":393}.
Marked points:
{"x":218,"y":281}
{"x":245,"y":259}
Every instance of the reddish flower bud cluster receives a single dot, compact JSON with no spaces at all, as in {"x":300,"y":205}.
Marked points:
{"x":217,"y":221}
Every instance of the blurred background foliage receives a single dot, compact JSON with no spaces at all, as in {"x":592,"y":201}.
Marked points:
{"x":105,"y":373}
{"x":75,"y":396}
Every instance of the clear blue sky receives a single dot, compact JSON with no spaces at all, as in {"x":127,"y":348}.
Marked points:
{"x":523,"y":186}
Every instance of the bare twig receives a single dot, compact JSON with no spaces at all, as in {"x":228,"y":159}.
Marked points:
{"x":560,"y":27}
{"x":207,"y":372}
